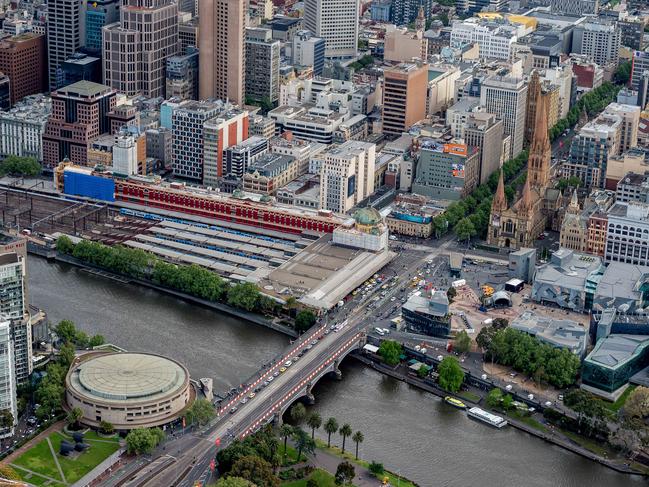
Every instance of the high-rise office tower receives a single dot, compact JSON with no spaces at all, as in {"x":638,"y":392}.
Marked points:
{"x":7,"y":378}
{"x":136,"y":47}
{"x":97,"y":14}
{"x":507,"y":99}
{"x":221,"y":44}
{"x":63,"y":35}
{"x":404,"y":93}
{"x":13,"y":308}
{"x":262,"y":65}
{"x":309,"y":51}
{"x":79,"y":115}
{"x":484,"y":131}
{"x":22,"y":58}
{"x":336,"y":21}
{"x":599,"y":39}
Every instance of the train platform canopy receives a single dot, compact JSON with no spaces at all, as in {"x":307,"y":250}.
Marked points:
{"x":323,"y":273}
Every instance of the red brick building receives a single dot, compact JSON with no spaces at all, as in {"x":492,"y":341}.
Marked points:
{"x":23,"y":60}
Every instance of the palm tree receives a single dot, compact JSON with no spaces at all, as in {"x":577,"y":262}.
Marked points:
{"x":345,"y":431}
{"x":298,"y":413}
{"x":285,"y":431}
{"x":303,"y":442}
{"x":331,"y":426}
{"x":73,"y":418}
{"x":357,"y":438}
{"x":314,"y":421}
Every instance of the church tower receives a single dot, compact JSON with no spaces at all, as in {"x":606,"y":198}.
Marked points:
{"x":420,"y":21}
{"x":538,"y":163}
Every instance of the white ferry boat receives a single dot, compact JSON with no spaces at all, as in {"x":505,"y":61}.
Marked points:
{"x":486,"y":417}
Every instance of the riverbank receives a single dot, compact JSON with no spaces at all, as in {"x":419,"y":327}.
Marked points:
{"x":549,"y":436}
{"x":220,"y":307}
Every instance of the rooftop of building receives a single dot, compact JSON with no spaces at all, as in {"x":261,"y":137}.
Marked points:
{"x":436,"y":305}
{"x":633,"y":210}
{"x":615,"y":351}
{"x":9,"y":258}
{"x":270,"y":163}
{"x":33,"y":108}
{"x":85,"y":89}
{"x":568,"y":269}
{"x":128,"y":377}
{"x":82,"y":59}
{"x":560,"y":332}
{"x":307,"y":113}
{"x":622,"y":280}
{"x":252,"y":141}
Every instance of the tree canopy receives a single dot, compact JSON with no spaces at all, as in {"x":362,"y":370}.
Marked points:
{"x":450,"y":373}
{"x":255,"y":470}
{"x":462,"y":342}
{"x":390,"y":351}
{"x":201,"y":412}
{"x":20,"y":166}
{"x":143,"y":440}
{"x":304,"y":320}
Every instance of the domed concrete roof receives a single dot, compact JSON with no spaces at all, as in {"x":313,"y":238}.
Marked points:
{"x":367,"y":216}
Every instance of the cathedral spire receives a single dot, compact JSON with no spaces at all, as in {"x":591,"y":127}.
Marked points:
{"x":525,"y":205}
{"x":573,"y":207}
{"x":499,"y":202}
{"x":420,"y":21}
{"x":538,"y":165}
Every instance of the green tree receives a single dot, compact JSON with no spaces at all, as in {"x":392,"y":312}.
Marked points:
{"x":451,"y":375}
{"x":6,"y":419}
{"x":465,"y":230}
{"x":637,"y":404}
{"x":451,"y":293}
{"x":96,"y":341}
{"x":73,"y":418}
{"x":66,"y":331}
{"x":285,"y":431}
{"x":423,"y":371}
{"x":298,"y":413}
{"x":234,"y":482}
{"x":143,"y":440}
{"x":390,"y":351}
{"x":494,"y":398}
{"x":20,"y":166}
{"x":201,"y":412}
{"x":303,"y":442}
{"x":345,"y":473}
{"x":67,"y":355}
{"x":623,"y":73}
{"x":312,"y":483}
{"x":507,"y":402}
{"x":64,"y":244}
{"x":330,"y":427}
{"x":106,"y":427}
{"x":462,"y":342}
{"x":304,"y":320}
{"x":358,"y":438}
{"x":81,"y":339}
{"x":243,"y":295}
{"x":376,"y":468}
{"x":345,"y":431}
{"x":314,"y":421}
{"x":256,"y":470}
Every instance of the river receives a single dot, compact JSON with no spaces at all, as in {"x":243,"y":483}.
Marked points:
{"x":406,"y":429}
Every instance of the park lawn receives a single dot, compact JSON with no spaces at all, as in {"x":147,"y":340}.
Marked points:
{"x":469,"y":396}
{"x":617,"y":405}
{"x":588,"y":444}
{"x":39,"y":458}
{"x":291,"y":455}
{"x":349,"y":456}
{"x":528,"y":420}
{"x":324,"y":479}
{"x":74,"y":469}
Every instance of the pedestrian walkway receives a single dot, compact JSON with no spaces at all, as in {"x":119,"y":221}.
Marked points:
{"x":329,"y":462}
{"x":56,"y":460}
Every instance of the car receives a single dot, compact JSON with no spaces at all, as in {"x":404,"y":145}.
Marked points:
{"x":560,"y":397}
{"x":233,"y":410}
{"x":320,"y":337}
{"x":327,"y":332}
{"x":288,"y":363}
{"x":244,"y":400}
{"x":251,"y":395}
{"x":309,"y":347}
{"x":314,"y":342}
{"x":265,"y":383}
{"x":548,"y":404}
{"x":393,"y":298}
{"x":270,"y":379}
{"x":275,"y":374}
{"x":295,"y":359}
{"x":282,"y":370}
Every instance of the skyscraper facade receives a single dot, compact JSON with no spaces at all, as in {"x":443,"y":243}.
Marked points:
{"x":262,"y":66}
{"x":336,"y":21}
{"x":63,"y":35}
{"x":7,"y":378}
{"x":221,"y":44}
{"x":403,"y":94}
{"x":97,"y":14}
{"x":136,"y":48}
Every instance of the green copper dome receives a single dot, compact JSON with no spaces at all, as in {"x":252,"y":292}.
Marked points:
{"x":367,"y":216}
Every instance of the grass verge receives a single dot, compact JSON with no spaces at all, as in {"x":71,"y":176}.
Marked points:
{"x":324,"y":479}
{"x":617,"y":405}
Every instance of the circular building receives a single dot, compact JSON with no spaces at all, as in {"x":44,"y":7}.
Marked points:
{"x":129,"y":390}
